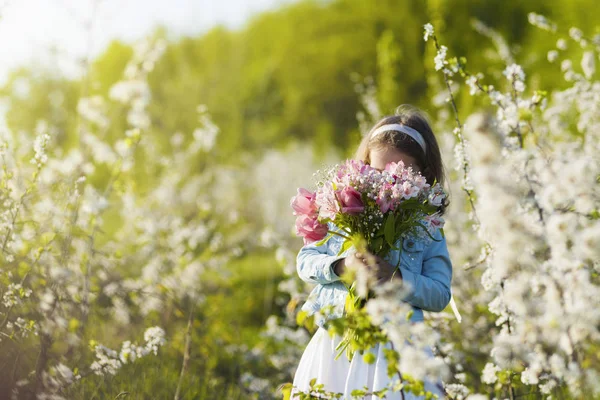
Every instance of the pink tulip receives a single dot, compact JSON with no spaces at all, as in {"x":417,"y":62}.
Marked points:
{"x":310,"y":229}
{"x":304,"y":203}
{"x":350,"y":200}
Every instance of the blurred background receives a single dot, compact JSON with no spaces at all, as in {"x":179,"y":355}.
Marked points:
{"x":194,"y":122}
{"x":270,"y":72}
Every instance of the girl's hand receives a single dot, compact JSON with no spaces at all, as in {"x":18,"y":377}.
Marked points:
{"x":383,"y":270}
{"x":340,"y":266}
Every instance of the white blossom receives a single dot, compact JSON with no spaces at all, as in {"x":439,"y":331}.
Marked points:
{"x":428,"y":31}
{"x":588,"y":64}
{"x":561,"y":44}
{"x":576,"y":34}
{"x":489,"y":373}
{"x":440,"y":58}
{"x":541,"y":22}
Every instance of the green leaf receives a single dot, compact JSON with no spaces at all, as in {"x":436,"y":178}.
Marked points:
{"x":301,"y":316}
{"x":429,"y":208}
{"x":308,"y":321}
{"x":376,"y":244}
{"x":324,"y":240}
{"x":345,"y":246}
{"x":410,"y":204}
{"x":389,"y":230}
{"x":286,"y":390}
{"x":341,"y":346}
{"x":427,"y":232}
{"x":349,"y":304}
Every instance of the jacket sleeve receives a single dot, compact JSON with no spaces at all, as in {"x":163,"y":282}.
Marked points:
{"x":430,"y":290}
{"x":314,"y":263}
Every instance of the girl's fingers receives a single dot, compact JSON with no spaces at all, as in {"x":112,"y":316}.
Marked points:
{"x":358,"y":260}
{"x":369,"y":261}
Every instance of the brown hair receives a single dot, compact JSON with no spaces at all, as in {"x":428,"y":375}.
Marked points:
{"x":430,"y":162}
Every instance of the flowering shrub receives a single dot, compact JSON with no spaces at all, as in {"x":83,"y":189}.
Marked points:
{"x":87,"y":253}
{"x":529,"y":175}
{"x":535,"y":174}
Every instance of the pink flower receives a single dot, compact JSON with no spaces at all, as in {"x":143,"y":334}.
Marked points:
{"x":304,"y":203}
{"x":327,"y":202}
{"x":408,"y":190}
{"x":395,"y":167}
{"x":350,"y":200}
{"x":386,"y":200}
{"x":399,"y":171}
{"x":421,"y":182}
{"x":351,"y":172}
{"x":437,"y":195}
{"x":310,"y":229}
{"x":385,"y":203}
{"x":358,"y":167}
{"x":434,"y":221}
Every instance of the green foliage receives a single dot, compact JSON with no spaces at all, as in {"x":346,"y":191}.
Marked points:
{"x":264,"y":92}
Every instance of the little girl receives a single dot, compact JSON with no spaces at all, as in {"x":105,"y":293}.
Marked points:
{"x":406,"y":137}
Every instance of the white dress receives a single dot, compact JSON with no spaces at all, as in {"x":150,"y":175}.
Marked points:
{"x":343,"y":376}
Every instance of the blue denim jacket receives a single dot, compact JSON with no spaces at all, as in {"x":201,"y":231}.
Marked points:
{"x":425,"y":265}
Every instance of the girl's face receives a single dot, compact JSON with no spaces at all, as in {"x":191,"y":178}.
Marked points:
{"x":380,"y":157}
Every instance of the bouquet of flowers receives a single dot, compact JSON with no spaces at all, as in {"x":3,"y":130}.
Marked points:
{"x":372,"y":210}
{"x":379,"y":206}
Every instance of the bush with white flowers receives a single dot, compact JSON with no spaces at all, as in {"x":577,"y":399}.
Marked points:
{"x":523,"y":229}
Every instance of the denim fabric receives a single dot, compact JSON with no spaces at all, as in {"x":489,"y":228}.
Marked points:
{"x":424,"y":263}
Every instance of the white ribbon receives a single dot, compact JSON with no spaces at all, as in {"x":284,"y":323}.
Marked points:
{"x":404,"y":129}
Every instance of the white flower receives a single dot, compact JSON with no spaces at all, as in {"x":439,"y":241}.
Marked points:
{"x":588,"y":64}
{"x":440,"y":58}
{"x":546,"y":387}
{"x":514,"y":71}
{"x":39,"y":146}
{"x":519,"y":86}
{"x":154,"y":337}
{"x":128,"y":352}
{"x":552,"y":55}
{"x":541,"y":22}
{"x":561,"y":44}
{"x":529,"y":376}
{"x":576,"y":34}
{"x":488,"y":374}
{"x":478,"y":397}
{"x":428,"y":31}
{"x":456,"y":390}
{"x":472,"y":82}
{"x":566,"y":65}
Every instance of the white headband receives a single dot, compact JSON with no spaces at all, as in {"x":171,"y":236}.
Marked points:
{"x":404,"y":129}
